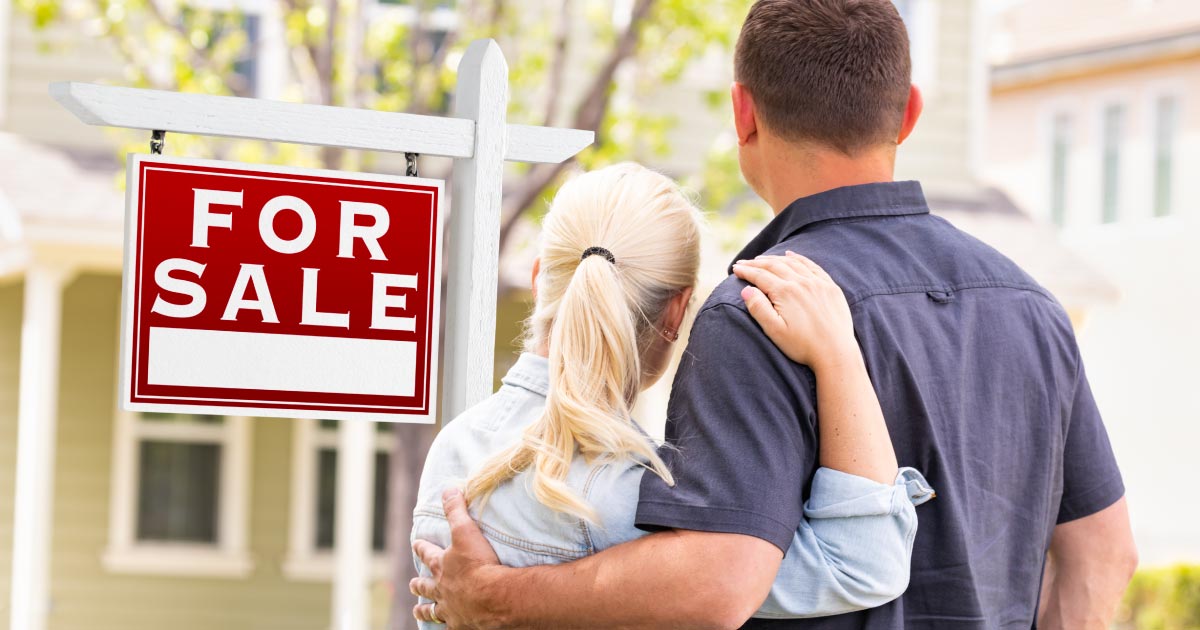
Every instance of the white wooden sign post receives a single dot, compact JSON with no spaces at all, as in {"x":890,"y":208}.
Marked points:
{"x":479,"y":140}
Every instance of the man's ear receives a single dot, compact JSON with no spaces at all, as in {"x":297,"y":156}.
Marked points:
{"x":745,"y":120}
{"x":916,"y":103}
{"x":537,"y":267}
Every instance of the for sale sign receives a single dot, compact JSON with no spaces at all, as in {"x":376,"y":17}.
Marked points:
{"x":273,"y":291}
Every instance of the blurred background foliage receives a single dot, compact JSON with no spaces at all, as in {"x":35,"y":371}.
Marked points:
{"x":349,"y":53}
{"x":1162,"y":599}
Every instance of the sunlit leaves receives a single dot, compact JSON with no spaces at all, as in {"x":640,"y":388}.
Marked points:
{"x":179,"y":46}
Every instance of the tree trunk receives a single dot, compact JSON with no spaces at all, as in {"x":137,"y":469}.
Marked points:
{"x":411,"y":443}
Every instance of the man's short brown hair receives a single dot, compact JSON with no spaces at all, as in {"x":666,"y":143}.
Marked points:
{"x":832,"y":71}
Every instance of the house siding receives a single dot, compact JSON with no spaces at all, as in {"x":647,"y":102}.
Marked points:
{"x":61,"y":52}
{"x":84,"y":594}
{"x":939,"y":151}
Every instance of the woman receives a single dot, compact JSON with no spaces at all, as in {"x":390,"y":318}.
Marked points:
{"x":551,"y":463}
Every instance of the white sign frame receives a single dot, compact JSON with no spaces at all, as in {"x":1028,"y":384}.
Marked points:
{"x":130,"y":295}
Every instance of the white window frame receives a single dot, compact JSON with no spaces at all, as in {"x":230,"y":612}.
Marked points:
{"x":1049,"y":137}
{"x":1176,"y":89}
{"x":305,"y":562}
{"x":230,"y":556}
{"x":1125,"y":156}
{"x":1080,"y":118}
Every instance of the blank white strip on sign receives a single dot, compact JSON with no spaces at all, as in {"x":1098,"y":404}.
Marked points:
{"x":294,"y":363}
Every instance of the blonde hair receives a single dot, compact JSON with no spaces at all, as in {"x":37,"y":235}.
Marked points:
{"x":598,"y":319}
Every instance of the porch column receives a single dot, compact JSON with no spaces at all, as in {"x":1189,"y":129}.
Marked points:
{"x":37,"y":412}
{"x":352,"y":539}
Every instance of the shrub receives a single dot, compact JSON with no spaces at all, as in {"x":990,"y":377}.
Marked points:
{"x":1162,"y":599}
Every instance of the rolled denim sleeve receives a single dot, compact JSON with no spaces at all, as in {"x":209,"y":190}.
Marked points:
{"x":741,"y":424}
{"x":854,"y":548}
{"x":429,"y":524}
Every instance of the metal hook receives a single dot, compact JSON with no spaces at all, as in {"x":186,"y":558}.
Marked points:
{"x":158,"y":139}
{"x":410,"y":160}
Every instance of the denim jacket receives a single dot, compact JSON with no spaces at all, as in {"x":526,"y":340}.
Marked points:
{"x":851,"y":553}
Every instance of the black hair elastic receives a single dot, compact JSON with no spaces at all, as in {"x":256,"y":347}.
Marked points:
{"x":601,"y":251}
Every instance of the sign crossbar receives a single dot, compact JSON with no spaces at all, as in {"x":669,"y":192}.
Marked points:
{"x":300,"y":123}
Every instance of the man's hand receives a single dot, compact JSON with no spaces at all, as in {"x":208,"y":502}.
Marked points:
{"x":463,"y":574}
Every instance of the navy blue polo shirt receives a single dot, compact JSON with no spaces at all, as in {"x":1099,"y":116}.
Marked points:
{"x":980,"y":381}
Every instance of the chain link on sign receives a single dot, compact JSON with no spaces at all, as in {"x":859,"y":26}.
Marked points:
{"x":410,"y":160}
{"x":157,"y":140}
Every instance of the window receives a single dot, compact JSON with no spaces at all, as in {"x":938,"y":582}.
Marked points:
{"x":327,"y":489}
{"x":1113,"y":130}
{"x":179,"y":495}
{"x":1166,"y":127}
{"x":1060,"y":151}
{"x":314,"y":500}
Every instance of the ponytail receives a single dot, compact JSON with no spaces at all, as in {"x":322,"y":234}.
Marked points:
{"x":596,"y":328}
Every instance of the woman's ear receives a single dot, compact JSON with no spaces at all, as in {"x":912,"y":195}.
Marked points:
{"x":537,"y":267}
{"x":677,"y":308}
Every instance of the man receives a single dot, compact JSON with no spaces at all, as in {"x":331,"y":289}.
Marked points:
{"x":975,"y":365}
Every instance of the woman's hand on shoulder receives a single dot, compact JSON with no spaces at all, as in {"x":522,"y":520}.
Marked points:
{"x":800,"y":308}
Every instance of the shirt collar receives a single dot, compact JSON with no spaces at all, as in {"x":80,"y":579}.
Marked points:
{"x":530,"y":372}
{"x":847,"y":202}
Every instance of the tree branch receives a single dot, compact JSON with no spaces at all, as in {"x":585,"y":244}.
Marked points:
{"x":194,"y":57}
{"x":439,"y":58}
{"x":304,"y":60}
{"x":498,"y":8}
{"x":330,"y":156}
{"x":589,"y":115}
{"x":418,"y":52}
{"x":559,"y":65}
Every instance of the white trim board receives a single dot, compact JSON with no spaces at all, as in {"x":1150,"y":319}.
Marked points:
{"x":248,"y":406}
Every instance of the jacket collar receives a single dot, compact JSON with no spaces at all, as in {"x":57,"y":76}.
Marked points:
{"x":530,"y":372}
{"x":849,"y":202}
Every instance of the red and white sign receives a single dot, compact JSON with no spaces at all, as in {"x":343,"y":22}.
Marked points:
{"x":274,"y":291}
